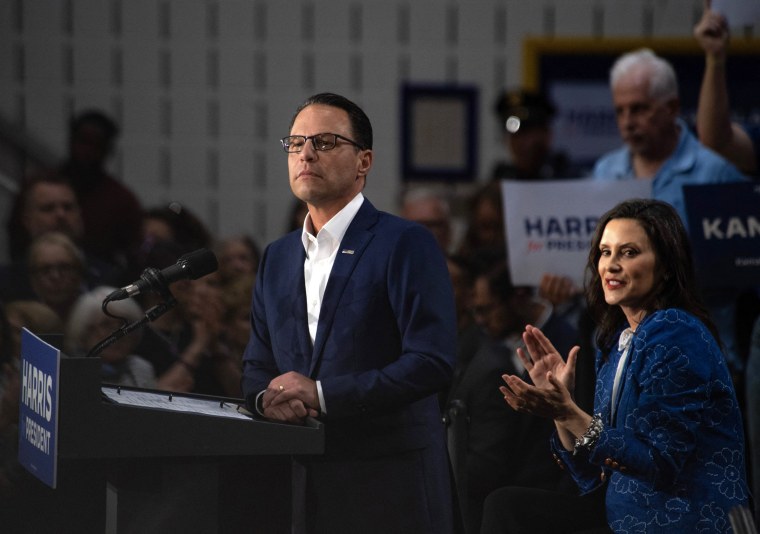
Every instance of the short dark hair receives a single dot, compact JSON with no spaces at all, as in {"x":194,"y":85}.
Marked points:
{"x":98,"y":118}
{"x":675,"y":283}
{"x":361,"y":128}
{"x":18,"y":236}
{"x":45,"y":177}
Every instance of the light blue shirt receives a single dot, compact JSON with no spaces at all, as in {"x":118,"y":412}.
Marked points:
{"x":690,"y":164}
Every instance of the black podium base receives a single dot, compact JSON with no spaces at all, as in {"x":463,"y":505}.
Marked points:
{"x":184,"y":495}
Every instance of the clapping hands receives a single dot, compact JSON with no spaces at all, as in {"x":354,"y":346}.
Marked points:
{"x":553,"y":379}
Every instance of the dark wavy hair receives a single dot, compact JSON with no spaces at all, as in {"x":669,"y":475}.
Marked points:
{"x":361,"y":128}
{"x":675,"y":279}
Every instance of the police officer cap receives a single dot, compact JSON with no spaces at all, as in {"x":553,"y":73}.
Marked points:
{"x":520,"y":108}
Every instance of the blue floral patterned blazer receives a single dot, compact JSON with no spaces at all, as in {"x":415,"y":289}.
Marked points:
{"x":673,"y":456}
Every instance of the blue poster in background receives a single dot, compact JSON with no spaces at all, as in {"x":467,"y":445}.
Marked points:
{"x":38,"y":408}
{"x":724,"y":225}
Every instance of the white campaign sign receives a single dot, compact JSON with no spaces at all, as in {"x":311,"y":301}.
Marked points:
{"x":738,"y":13}
{"x":549,"y":225}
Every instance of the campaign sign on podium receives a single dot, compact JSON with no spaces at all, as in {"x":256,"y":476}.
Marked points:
{"x":38,"y":408}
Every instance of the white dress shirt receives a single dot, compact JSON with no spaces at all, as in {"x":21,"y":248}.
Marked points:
{"x":321,"y":251}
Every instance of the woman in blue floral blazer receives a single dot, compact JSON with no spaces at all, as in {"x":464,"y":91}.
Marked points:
{"x":665,"y":442}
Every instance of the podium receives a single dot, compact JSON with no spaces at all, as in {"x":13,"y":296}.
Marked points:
{"x":126,"y":468}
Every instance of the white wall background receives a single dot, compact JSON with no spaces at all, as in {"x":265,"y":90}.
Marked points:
{"x":203,"y":89}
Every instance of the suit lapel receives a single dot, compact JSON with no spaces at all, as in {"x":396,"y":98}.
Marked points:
{"x":297,"y":300}
{"x":351,"y":248}
{"x":302,"y":320}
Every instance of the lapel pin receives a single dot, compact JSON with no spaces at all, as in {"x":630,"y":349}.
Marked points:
{"x":347,"y":251}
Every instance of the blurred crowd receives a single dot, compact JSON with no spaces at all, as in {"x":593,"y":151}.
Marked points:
{"x":75,"y":235}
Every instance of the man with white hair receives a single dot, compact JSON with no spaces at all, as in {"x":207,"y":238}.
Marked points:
{"x":658,"y":144}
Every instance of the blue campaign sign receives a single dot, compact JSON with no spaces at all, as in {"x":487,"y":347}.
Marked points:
{"x":724,"y":224}
{"x":38,"y":408}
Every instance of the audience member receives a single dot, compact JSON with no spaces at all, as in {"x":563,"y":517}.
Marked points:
{"x":202,"y":306}
{"x":738,"y":143}
{"x":38,"y":318}
{"x":658,"y":144}
{"x":525,"y":118}
{"x":663,"y":448}
{"x":237,"y":255}
{"x":170,"y":223}
{"x":160,"y":339}
{"x":88,"y":325}
{"x":56,"y":272}
{"x":179,"y":342}
{"x":497,"y":446}
{"x":484,"y":245}
{"x":660,"y":148}
{"x":526,"y":121}
{"x":175,"y":222}
{"x":484,"y":233}
{"x":236,"y":319}
{"x":112,"y":214}
{"x":236,"y":296}
{"x":46,"y":203}
{"x":431,"y":209}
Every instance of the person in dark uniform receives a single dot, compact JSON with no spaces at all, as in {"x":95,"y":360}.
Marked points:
{"x":526,"y":122}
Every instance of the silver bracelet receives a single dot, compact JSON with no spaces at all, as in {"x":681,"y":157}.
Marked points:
{"x":589,"y":438}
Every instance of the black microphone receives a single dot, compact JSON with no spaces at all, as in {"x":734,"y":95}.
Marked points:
{"x":189,"y":267}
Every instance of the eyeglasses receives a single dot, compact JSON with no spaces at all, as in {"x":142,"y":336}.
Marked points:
{"x":320,"y":141}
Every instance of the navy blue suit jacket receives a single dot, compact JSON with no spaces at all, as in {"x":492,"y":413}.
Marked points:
{"x":385,"y":342}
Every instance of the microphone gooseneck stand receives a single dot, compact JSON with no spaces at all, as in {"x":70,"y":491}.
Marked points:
{"x":151,"y":315}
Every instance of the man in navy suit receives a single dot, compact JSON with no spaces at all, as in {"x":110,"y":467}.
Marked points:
{"x":353,"y":322}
